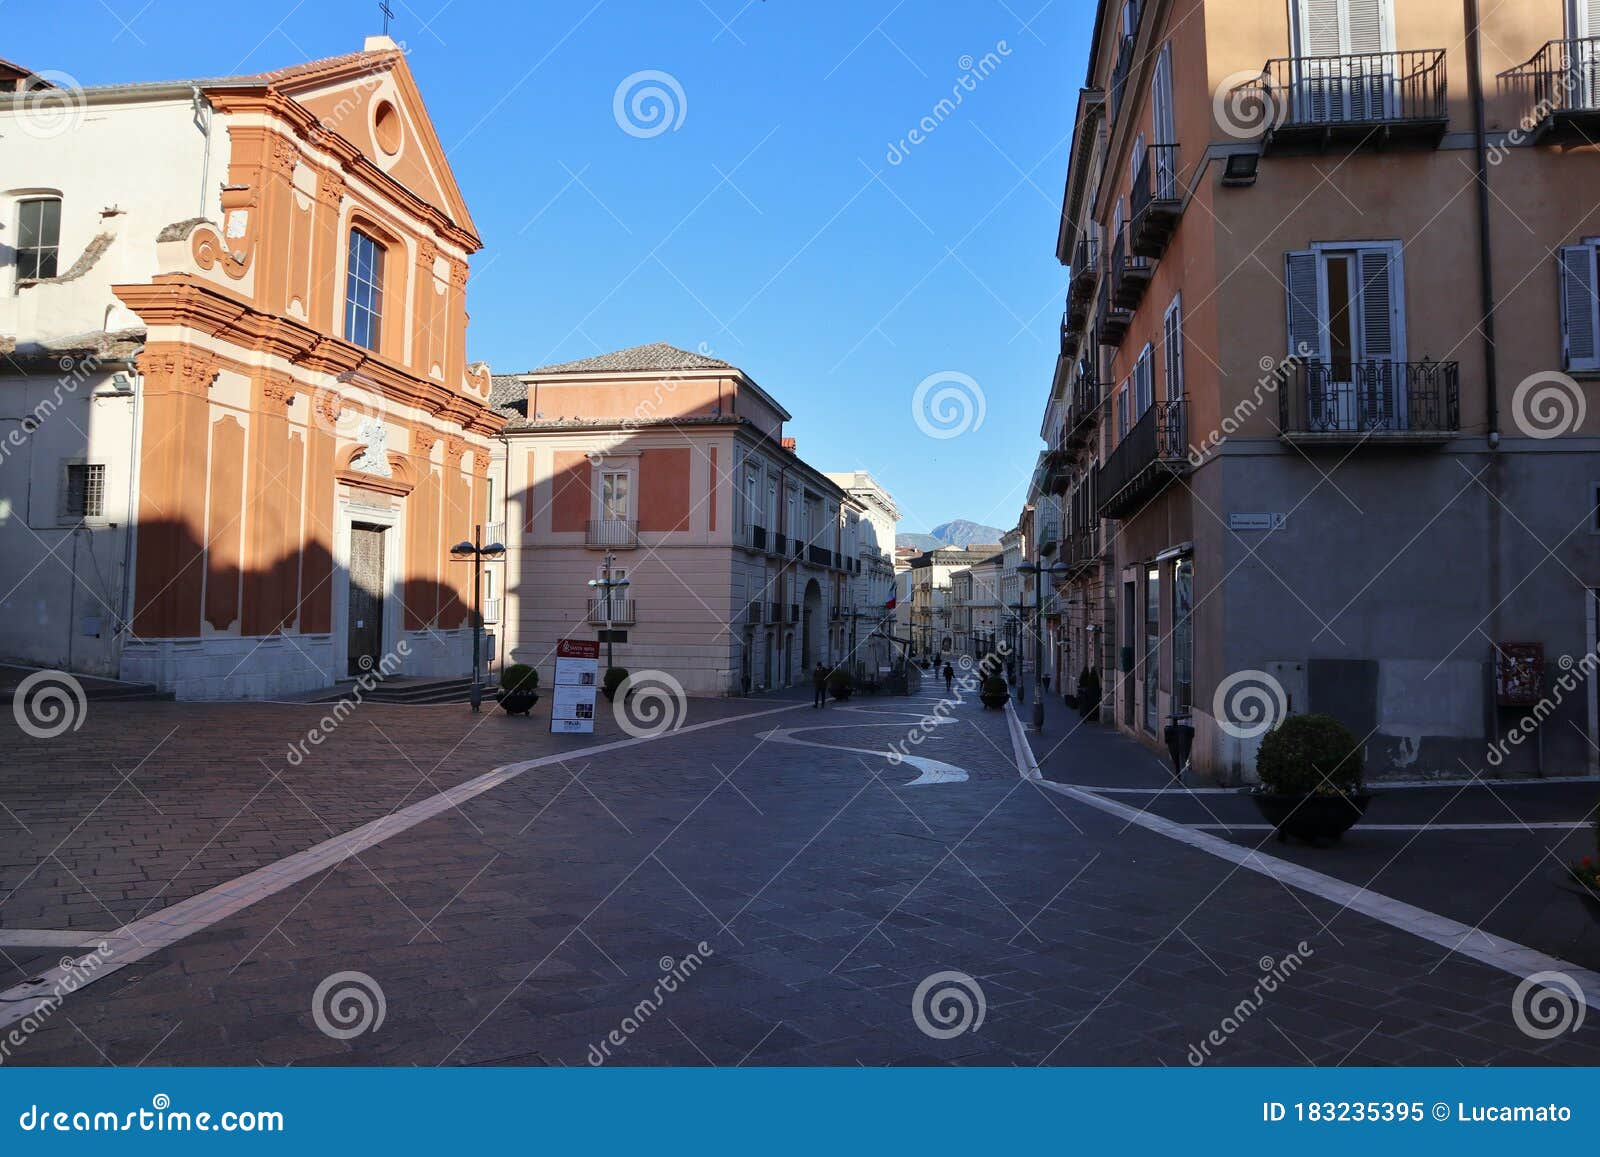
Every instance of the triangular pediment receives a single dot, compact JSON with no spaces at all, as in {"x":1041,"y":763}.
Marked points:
{"x":372,"y":101}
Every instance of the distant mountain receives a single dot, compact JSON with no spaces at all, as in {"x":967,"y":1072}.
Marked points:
{"x":957,"y":533}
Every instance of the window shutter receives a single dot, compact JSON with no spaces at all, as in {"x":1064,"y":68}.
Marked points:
{"x":1382,"y":322}
{"x":1173,"y":342}
{"x":1580,"y":311}
{"x":1365,"y":25}
{"x":1301,"y":275}
{"x":1320,"y":28}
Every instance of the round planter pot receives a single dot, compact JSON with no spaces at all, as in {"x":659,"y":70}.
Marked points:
{"x":1590,"y":898}
{"x":1316,"y":819}
{"x":841,"y":692}
{"x":995,"y":701}
{"x":517,"y":702}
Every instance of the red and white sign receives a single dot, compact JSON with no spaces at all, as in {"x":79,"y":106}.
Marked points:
{"x":572,"y":697}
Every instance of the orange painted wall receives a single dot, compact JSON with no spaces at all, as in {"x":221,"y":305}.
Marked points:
{"x":664,"y":485}
{"x":570,"y":497}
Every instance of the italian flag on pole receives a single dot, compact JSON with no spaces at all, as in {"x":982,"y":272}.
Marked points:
{"x":889,"y":606}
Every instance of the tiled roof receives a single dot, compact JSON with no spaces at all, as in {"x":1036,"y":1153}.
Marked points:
{"x":252,"y":80}
{"x":640,"y":359}
{"x":508,"y":395}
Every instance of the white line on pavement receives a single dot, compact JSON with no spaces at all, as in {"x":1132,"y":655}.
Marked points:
{"x":1366,"y":827}
{"x":1505,"y":955}
{"x":133,"y":942}
{"x":50,"y":938}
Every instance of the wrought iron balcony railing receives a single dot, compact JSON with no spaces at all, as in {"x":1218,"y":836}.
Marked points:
{"x":613,"y":533}
{"x":1371,"y":98}
{"x":1130,"y":273}
{"x":495,"y":532}
{"x":619,"y":611}
{"x":1085,"y":269}
{"x":1085,"y":412}
{"x":1111,"y":320}
{"x":1377,"y":401}
{"x":758,"y":537}
{"x":1147,"y":459}
{"x":1559,"y":90}
{"x":1157,"y":201}
{"x":490,"y":610}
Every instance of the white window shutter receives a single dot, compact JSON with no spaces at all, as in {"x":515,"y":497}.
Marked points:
{"x":1382,"y":311}
{"x":1364,"y":21}
{"x":1321,"y":28}
{"x":1580,"y":309}
{"x":1305,"y":306}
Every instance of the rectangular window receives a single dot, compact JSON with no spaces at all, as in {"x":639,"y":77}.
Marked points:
{"x":1346,"y":305}
{"x":1144,"y":386}
{"x":614,"y":496}
{"x":363,"y":300}
{"x":83,"y":490}
{"x":1172,"y":349}
{"x":1152,"y":648}
{"x":38,"y":238}
{"x":1183,"y":635}
{"x":1580,"y":309}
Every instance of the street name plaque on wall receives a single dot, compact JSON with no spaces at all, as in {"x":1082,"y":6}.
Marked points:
{"x":572,"y":708}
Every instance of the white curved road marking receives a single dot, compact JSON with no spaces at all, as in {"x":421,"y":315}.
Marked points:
{"x":932,"y":770}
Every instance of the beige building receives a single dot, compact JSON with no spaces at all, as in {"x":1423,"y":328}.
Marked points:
{"x":1321,"y":416}
{"x":867,"y":610}
{"x":674,"y":466}
{"x":932,"y":621}
{"x":976,"y":613}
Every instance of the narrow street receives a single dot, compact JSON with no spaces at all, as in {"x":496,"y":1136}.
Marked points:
{"x":798,"y":886}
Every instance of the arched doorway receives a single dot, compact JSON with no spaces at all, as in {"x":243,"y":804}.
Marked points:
{"x":811,"y":627}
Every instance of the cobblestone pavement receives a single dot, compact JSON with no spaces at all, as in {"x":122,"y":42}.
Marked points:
{"x":716,"y":896}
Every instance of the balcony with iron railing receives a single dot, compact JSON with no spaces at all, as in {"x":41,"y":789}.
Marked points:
{"x":1085,"y":270}
{"x":1047,"y":535}
{"x":1081,"y":551}
{"x":490,"y":611}
{"x":612,"y":533}
{"x":1371,"y":99}
{"x":1144,"y":462}
{"x":1559,"y":91}
{"x":1130,"y":274}
{"x":752,"y":613}
{"x":1111,"y":320}
{"x":1071,"y":336}
{"x":495,"y":532}
{"x":620,"y":611}
{"x":1157,"y":201}
{"x":1084,"y":414}
{"x":1374,"y":402}
{"x":758,"y":537}
{"x":779,"y":544}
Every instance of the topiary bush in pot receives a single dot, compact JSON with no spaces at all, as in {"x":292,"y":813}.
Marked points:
{"x":519,"y":689}
{"x":840,"y":685}
{"x":615,"y":677}
{"x":994,"y":692}
{"x":1310,"y":768}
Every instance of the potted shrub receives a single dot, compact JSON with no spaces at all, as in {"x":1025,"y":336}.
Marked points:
{"x":1088,"y":697}
{"x":615,"y":677}
{"x":994,"y":692}
{"x":1310,"y":769}
{"x":840,"y":685}
{"x":519,"y":689}
{"x":1583,"y":876}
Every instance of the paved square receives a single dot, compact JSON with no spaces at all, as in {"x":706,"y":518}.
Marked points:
{"x":761,"y":888}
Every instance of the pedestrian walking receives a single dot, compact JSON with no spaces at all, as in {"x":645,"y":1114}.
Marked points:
{"x":949,"y":677}
{"x":819,"y":687}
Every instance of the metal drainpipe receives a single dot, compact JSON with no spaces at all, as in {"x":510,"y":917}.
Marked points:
{"x":1493,"y":479}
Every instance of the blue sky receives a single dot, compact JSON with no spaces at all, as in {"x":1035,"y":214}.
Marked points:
{"x":768,"y":227}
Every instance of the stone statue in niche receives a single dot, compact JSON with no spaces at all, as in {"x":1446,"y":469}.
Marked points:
{"x":374,"y":457}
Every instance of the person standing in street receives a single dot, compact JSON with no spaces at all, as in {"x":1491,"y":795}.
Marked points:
{"x":949,"y":677}
{"x":819,"y":686}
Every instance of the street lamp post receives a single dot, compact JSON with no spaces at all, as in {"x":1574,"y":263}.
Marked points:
{"x":607,"y":584}
{"x":1040,"y":573}
{"x":475,"y":552}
